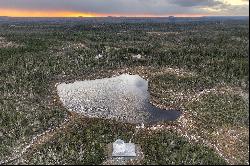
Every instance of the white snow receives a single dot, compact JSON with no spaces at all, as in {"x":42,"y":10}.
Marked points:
{"x":122,"y":149}
{"x":138,"y":56}
{"x":98,"y":56}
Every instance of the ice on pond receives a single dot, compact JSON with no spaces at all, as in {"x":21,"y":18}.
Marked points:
{"x":124,"y":98}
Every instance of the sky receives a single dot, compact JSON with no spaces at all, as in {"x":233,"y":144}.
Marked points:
{"x":135,"y":8}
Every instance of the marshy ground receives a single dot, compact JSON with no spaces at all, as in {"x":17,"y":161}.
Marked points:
{"x":200,"y":68}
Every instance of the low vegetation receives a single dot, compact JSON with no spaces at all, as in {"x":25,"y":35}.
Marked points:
{"x":193,"y":66}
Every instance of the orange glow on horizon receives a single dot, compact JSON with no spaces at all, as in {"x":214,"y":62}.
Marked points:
{"x":35,"y":13}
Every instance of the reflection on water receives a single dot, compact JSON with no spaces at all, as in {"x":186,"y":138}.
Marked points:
{"x":124,"y":98}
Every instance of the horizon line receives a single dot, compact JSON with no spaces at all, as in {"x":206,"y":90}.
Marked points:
{"x":126,"y":16}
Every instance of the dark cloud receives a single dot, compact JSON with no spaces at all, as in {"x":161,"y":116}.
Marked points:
{"x":154,"y":7}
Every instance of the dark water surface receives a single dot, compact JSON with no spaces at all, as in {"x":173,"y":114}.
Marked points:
{"x":157,"y":115}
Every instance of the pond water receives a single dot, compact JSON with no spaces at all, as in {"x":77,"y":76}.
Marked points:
{"x":124,"y":98}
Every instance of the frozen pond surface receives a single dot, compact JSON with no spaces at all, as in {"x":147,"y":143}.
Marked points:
{"x":124,"y":98}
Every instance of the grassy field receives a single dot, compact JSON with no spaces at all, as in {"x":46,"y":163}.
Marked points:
{"x":201,"y":68}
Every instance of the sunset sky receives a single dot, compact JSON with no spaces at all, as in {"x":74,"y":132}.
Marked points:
{"x":102,"y":8}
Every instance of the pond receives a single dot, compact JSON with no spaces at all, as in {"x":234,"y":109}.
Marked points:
{"x":124,"y":98}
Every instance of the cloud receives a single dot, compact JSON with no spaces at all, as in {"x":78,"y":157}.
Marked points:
{"x":124,"y":7}
{"x":190,"y":3}
{"x":235,"y":10}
